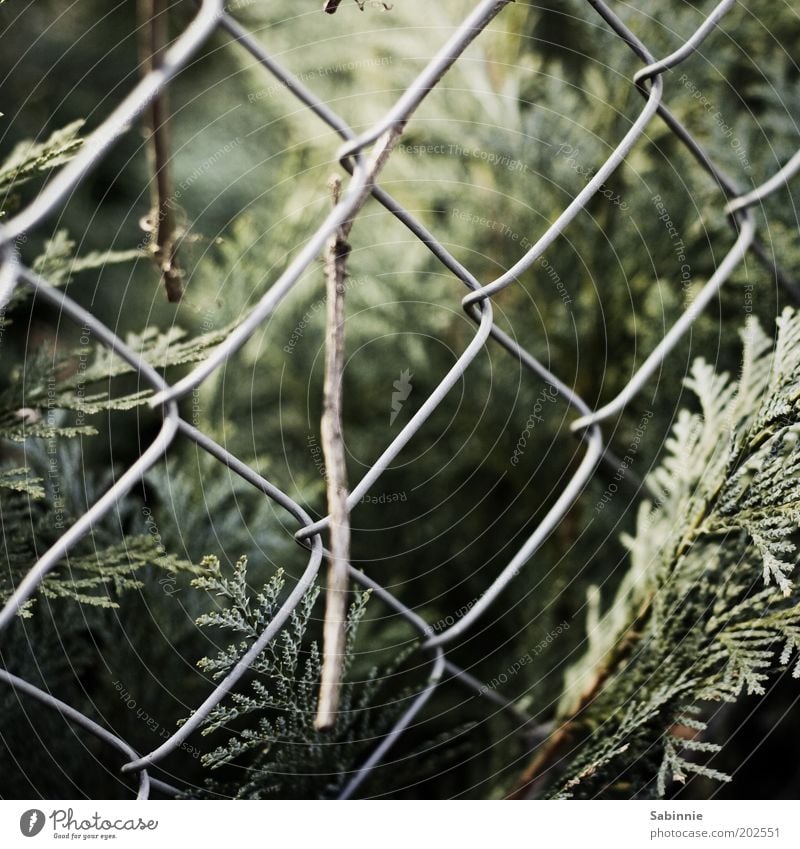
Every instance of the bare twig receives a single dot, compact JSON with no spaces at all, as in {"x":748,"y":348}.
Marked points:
{"x":335,"y":257}
{"x":161,"y":223}
{"x":334,"y":635}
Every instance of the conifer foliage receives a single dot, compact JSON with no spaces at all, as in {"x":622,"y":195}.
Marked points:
{"x":689,"y":586}
{"x":708,"y":610}
{"x":270,"y":723}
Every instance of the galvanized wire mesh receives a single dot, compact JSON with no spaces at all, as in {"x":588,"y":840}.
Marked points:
{"x":362,"y":156}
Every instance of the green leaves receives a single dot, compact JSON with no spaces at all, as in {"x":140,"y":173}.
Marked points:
{"x":58,"y":263}
{"x":29,"y":159}
{"x":270,"y":722}
{"x":35,"y":403}
{"x":239,"y":612}
{"x":689,"y":623}
{"x":19,"y":480}
{"x":676,"y":767}
{"x":752,"y":649}
{"x":96,"y":578}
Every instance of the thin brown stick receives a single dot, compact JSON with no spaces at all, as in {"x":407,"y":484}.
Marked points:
{"x":162,"y":224}
{"x":335,"y":259}
{"x":334,"y":636}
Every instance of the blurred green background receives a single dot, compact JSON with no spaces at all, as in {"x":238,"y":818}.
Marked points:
{"x":490,"y":159}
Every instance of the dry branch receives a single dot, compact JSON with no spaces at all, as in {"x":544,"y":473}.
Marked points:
{"x":335,"y":259}
{"x":334,"y":635}
{"x":154,"y":37}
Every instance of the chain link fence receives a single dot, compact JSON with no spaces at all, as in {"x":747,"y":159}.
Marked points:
{"x":362,"y":156}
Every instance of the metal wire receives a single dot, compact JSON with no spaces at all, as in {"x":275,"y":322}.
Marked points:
{"x":362,"y":156}
{"x":69,"y":713}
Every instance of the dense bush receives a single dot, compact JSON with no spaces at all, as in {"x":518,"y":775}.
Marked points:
{"x":493,"y":155}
